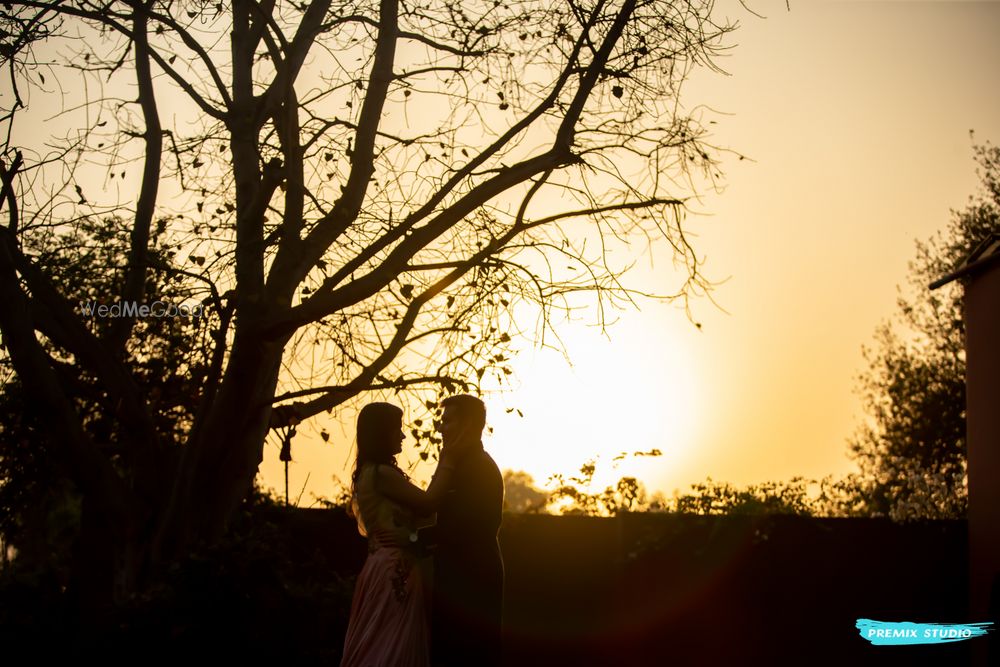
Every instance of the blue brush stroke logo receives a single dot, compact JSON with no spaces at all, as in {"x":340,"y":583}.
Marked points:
{"x":903,"y":633}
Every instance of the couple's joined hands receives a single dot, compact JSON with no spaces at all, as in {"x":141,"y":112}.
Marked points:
{"x":394,"y":537}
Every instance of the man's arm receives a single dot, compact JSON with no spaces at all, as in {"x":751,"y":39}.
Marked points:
{"x":392,"y":537}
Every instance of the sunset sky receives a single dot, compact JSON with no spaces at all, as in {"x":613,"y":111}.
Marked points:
{"x":856,"y":119}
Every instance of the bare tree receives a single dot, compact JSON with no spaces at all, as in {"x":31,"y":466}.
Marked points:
{"x":366,"y":190}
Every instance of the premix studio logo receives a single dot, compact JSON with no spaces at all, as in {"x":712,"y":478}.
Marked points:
{"x":904,"y":633}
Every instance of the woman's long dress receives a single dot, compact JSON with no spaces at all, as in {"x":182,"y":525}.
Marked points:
{"x":389,"y":616}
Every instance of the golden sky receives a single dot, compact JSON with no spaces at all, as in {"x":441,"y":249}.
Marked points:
{"x":856,"y":117}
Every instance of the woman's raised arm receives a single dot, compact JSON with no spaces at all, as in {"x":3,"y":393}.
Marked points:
{"x":395,"y":486}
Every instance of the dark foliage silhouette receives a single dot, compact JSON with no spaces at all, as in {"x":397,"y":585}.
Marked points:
{"x":912,"y":450}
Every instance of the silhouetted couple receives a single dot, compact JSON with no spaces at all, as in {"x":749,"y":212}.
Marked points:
{"x":396,"y":621}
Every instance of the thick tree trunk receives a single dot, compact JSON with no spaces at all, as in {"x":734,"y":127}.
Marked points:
{"x":233,"y":441}
{"x":114,"y":561}
{"x":220,"y":460}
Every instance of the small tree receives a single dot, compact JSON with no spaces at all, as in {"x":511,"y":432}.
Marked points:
{"x":912,"y":450}
{"x":521,"y":496}
{"x":576,"y":494}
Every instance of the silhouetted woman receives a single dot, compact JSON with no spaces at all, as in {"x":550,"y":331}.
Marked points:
{"x":389,"y":618}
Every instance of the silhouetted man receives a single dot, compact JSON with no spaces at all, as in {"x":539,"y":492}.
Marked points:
{"x":468,"y":568}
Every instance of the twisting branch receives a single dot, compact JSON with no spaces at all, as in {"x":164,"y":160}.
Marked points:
{"x":135,"y":272}
{"x":7,"y":195}
{"x":295,"y":258}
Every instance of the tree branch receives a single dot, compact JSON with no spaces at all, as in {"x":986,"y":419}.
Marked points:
{"x":135,"y":273}
{"x":467,"y":170}
{"x":296,"y":257}
{"x":567,"y":128}
{"x":7,"y":192}
{"x":321,"y":304}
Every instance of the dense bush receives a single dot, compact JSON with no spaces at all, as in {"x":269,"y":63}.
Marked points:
{"x":255,"y":596}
